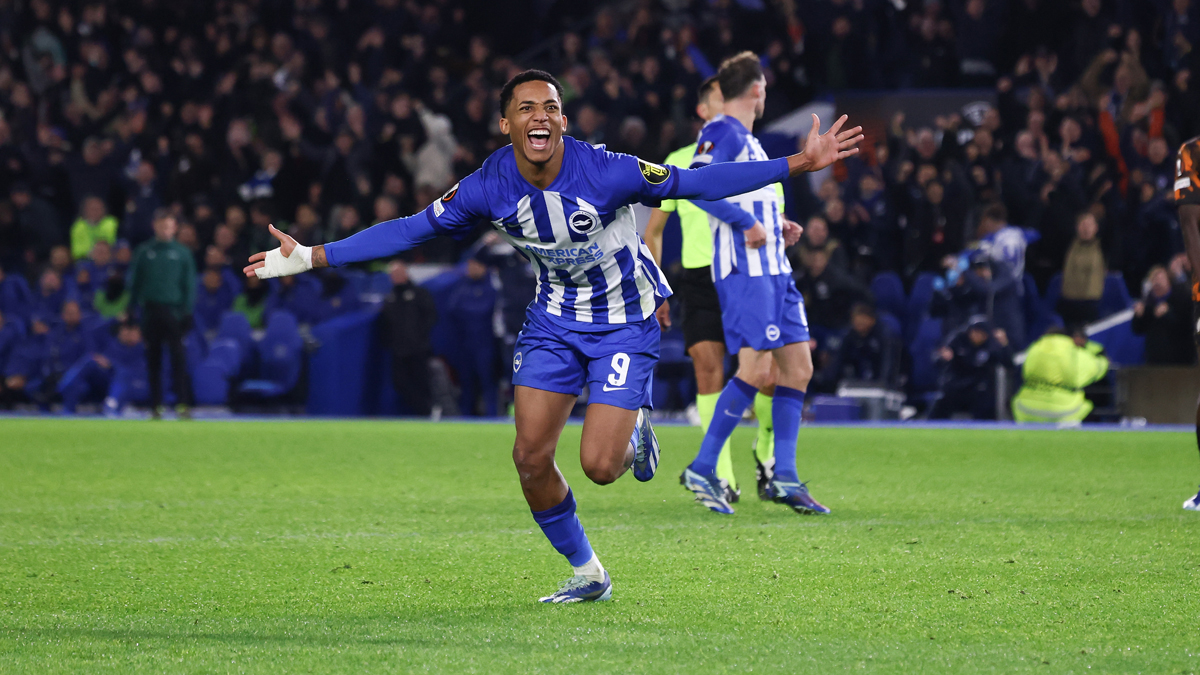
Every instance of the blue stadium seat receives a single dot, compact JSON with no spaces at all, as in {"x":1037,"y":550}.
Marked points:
{"x":1116,"y":295}
{"x":1053,"y":295}
{"x":1034,"y":310}
{"x":889,"y":294}
{"x":280,"y":358}
{"x":210,"y":382}
{"x":890,"y":323}
{"x":236,"y":327}
{"x":926,"y":341}
{"x":918,"y":304}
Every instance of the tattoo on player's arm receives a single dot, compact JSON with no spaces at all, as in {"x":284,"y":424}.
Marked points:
{"x":318,"y":257}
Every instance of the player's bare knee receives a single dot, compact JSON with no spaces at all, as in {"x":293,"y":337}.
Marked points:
{"x":530,"y":461}
{"x":603,"y":473}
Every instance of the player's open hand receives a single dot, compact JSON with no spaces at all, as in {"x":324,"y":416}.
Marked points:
{"x":756,"y":236}
{"x":279,"y":262}
{"x":821,"y":150}
{"x":791,"y":232}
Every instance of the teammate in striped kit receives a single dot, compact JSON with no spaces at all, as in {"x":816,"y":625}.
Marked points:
{"x":566,"y":206}
{"x":703,"y":335}
{"x":761,"y":310}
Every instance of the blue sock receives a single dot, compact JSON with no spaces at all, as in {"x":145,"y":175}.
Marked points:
{"x":734,"y":399}
{"x":785,"y":414}
{"x":562,"y":528}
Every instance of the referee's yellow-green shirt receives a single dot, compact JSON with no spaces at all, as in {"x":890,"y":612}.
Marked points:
{"x":693,"y":221}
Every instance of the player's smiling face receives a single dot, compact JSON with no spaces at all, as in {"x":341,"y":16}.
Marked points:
{"x":534,"y":121}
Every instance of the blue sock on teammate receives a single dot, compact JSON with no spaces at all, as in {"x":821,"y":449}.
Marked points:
{"x":562,"y":527}
{"x":785,"y":415}
{"x":735,"y":398}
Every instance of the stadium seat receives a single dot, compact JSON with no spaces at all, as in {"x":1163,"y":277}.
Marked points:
{"x":889,"y":294}
{"x":1053,"y":295}
{"x":280,"y":354}
{"x":1116,"y":295}
{"x":236,"y":327}
{"x":1034,"y":310}
{"x":918,"y":304}
{"x":210,"y":382}
{"x":890,"y":322}
{"x":673,"y":380}
{"x":924,"y":369}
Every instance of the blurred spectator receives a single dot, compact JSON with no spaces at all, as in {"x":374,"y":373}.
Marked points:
{"x":23,"y":372}
{"x":144,"y":199}
{"x":408,"y":316}
{"x":969,"y":380}
{"x":93,"y":225}
{"x":1057,"y":367}
{"x":987,"y":287}
{"x":162,"y":285}
{"x":16,"y":298}
{"x":111,"y":299}
{"x":251,"y":302}
{"x":214,"y":297}
{"x":11,"y":332}
{"x":868,"y":352}
{"x":828,"y":293}
{"x":1083,"y":274}
{"x":517,"y":287}
{"x":115,"y":374}
{"x":50,"y":294}
{"x":37,"y":221}
{"x":1164,"y":316}
{"x":66,"y":343}
{"x":1002,"y":242}
{"x":816,"y":237}
{"x":469,"y":310}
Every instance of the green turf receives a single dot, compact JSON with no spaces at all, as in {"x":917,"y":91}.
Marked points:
{"x":312,"y":547}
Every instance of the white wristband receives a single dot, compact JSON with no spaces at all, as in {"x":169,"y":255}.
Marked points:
{"x":276,"y":265}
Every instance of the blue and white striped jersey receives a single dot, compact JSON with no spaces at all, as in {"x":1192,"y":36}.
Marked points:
{"x":579,"y":233}
{"x":725,"y":139}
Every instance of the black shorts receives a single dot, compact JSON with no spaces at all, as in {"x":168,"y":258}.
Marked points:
{"x":701,"y":310}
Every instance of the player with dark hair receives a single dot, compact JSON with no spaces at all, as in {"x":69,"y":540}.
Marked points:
{"x":761,"y":311}
{"x":566,"y":206}
{"x":1187,"y":200}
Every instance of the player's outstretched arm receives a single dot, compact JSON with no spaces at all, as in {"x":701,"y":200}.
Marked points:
{"x":726,"y":179}
{"x":290,"y":258}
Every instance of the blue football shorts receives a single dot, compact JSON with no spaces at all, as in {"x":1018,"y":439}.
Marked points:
{"x":762,"y":313}
{"x":616,"y":363}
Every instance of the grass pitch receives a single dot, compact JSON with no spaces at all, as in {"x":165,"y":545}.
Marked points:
{"x":318,"y":547}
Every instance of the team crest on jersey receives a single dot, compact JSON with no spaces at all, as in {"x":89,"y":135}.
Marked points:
{"x":654,"y":173}
{"x":517,"y":358}
{"x":584,"y":222}
{"x":772,"y":332}
{"x":450,"y":193}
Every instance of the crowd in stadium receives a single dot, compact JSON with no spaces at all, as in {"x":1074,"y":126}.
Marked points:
{"x":327,"y":116}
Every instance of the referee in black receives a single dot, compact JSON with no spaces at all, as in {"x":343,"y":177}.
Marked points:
{"x":162,"y":285}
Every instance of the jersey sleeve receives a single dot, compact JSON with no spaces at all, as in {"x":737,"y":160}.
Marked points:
{"x":455,"y":213}
{"x":715,"y":144}
{"x":630,"y":179}
{"x":1187,"y":177}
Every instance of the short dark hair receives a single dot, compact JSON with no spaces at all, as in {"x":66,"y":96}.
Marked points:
{"x":995,"y":211}
{"x":706,"y":87}
{"x":738,"y":73}
{"x":862,"y":308}
{"x":522,"y":77}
